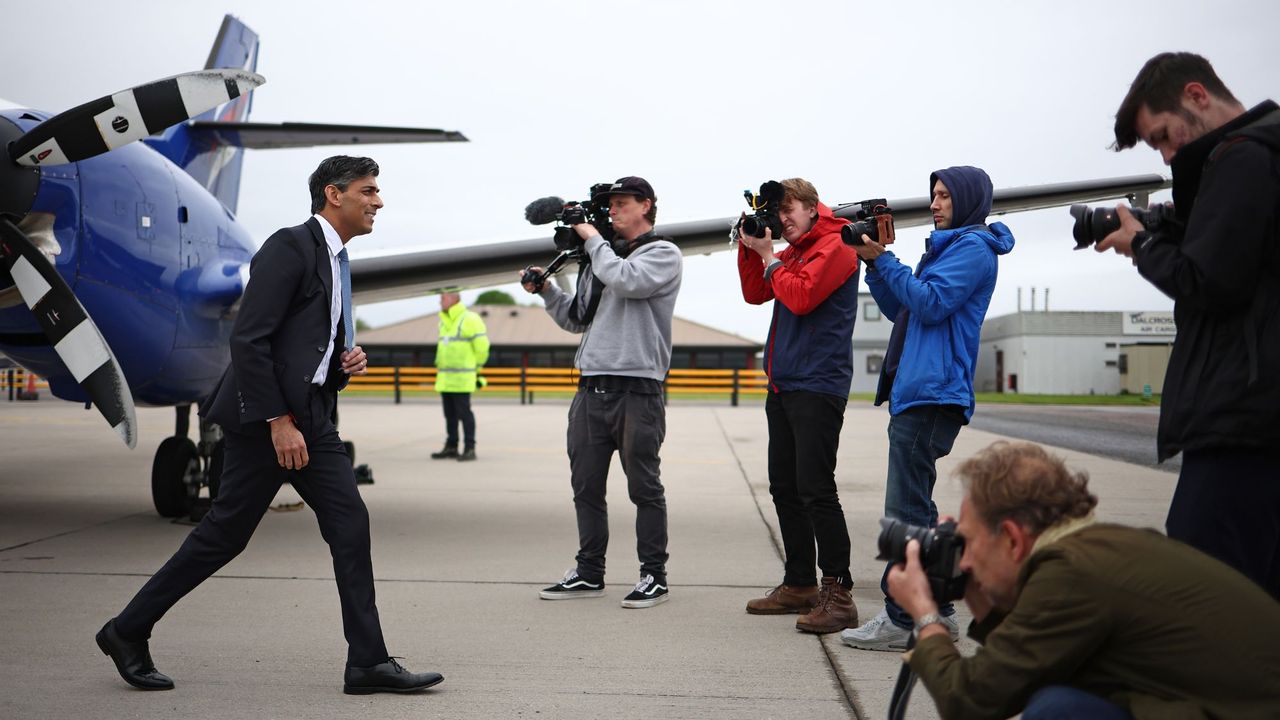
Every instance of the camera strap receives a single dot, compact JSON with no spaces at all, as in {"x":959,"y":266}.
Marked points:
{"x":902,"y":688}
{"x":591,"y":288}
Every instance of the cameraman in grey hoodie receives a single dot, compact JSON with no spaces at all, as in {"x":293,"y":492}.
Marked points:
{"x":625,"y":300}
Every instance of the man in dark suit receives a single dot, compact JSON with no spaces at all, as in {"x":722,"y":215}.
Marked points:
{"x":276,"y":405}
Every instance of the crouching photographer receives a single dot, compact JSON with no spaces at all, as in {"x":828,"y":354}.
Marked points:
{"x":625,"y":300}
{"x":1080,"y":619}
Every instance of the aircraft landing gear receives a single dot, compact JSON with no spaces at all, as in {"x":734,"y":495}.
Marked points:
{"x":181,"y":468}
{"x":175,"y":472}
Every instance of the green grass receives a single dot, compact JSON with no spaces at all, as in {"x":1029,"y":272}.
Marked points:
{"x":1020,"y":399}
{"x":1000,"y":398}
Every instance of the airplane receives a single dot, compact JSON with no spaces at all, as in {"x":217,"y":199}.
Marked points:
{"x":124,"y":262}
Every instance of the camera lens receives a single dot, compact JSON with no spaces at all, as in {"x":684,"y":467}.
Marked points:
{"x":894,"y":535}
{"x":852,"y":234}
{"x":754,"y":226}
{"x":1094,"y":224}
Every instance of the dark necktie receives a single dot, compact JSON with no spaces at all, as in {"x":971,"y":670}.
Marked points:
{"x":348,"y":323}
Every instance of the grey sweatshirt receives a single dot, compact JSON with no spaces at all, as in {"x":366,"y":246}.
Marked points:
{"x":631,"y":332}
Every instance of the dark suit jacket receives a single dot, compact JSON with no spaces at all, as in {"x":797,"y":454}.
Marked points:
{"x":280,"y":334}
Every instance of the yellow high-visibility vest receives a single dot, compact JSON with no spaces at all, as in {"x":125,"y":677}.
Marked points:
{"x":462,"y":350}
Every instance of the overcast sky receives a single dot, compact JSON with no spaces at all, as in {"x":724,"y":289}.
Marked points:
{"x":704,"y":99}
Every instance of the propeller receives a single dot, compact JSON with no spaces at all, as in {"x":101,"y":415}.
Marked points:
{"x":80,"y":133}
{"x":109,"y":122}
{"x":67,"y":326}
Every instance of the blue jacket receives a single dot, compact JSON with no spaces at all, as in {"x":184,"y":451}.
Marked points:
{"x":938,"y":310}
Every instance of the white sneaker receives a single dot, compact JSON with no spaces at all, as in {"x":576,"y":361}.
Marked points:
{"x":879,"y":633}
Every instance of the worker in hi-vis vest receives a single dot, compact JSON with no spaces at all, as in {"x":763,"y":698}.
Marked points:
{"x":461,"y":351}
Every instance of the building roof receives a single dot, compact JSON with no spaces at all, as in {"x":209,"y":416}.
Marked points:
{"x":1060,"y":323}
{"x":531,"y":326}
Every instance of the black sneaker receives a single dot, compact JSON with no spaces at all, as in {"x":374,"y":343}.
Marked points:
{"x":648,"y":592}
{"x":572,"y":586}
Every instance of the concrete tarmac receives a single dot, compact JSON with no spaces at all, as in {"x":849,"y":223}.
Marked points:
{"x":460,"y":551}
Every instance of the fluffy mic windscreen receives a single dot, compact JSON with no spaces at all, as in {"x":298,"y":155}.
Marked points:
{"x":543,"y":210}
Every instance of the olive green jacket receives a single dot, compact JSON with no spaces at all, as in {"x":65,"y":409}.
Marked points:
{"x":1127,"y":614}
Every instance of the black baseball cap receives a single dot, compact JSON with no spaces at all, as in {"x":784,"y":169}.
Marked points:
{"x":631,"y":185}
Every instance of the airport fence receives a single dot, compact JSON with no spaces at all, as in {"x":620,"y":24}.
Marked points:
{"x":529,"y":383}
{"x":18,"y":384}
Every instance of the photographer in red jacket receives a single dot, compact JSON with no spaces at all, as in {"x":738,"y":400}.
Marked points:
{"x":809,"y":360}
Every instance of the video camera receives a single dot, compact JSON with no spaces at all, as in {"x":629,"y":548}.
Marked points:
{"x":567,"y":241}
{"x":1094,"y":224}
{"x":874,"y":219}
{"x":767,"y":204}
{"x":940,"y":551}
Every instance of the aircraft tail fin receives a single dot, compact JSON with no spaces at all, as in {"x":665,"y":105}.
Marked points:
{"x":211,"y":162}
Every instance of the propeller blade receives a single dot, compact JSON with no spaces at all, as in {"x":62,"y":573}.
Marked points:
{"x":109,"y":122}
{"x":70,"y":330}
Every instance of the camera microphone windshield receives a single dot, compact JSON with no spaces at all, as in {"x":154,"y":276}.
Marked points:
{"x":543,"y":210}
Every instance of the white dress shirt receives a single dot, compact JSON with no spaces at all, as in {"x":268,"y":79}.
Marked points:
{"x":335,"y":307}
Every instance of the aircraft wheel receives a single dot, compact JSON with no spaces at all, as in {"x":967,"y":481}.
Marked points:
{"x":215,"y":469}
{"x":176,"y":458}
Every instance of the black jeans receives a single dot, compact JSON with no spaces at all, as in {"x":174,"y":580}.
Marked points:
{"x":457,"y":406}
{"x":804,"y":434}
{"x":634,"y":424}
{"x":1227,"y":504}
{"x":251,"y":477}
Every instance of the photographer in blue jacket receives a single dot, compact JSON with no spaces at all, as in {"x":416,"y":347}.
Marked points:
{"x":927,"y":373}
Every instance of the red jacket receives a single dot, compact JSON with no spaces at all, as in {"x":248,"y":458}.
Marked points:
{"x":810,"y":339}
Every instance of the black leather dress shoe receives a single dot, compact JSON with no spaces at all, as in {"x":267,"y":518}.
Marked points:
{"x":389,"y":676}
{"x":132,"y":659}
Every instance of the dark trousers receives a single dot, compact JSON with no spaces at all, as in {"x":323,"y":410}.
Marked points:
{"x":1227,"y":504}
{"x":633,"y":424}
{"x":251,"y":476}
{"x":804,"y":434}
{"x":918,"y":436}
{"x":457,"y":406}
{"x":1060,"y":702}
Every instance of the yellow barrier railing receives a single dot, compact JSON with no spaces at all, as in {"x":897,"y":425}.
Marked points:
{"x":18,"y":384}
{"x":528,"y":381}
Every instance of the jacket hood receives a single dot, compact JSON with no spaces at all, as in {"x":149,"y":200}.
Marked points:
{"x":997,"y":236}
{"x":826,"y":224}
{"x":1264,"y":126}
{"x":970,"y":193}
{"x":1188,"y":163}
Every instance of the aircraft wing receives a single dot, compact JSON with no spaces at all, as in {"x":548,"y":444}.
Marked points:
{"x":294,"y":135}
{"x":412,"y":274}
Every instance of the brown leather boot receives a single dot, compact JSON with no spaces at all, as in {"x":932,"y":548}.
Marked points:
{"x":834,"y":612}
{"x":785,"y":599}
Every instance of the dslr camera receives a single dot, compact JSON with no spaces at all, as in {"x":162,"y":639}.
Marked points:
{"x":567,"y":214}
{"x":940,"y":551}
{"x":1094,"y":224}
{"x":874,"y":218}
{"x":765,"y":205}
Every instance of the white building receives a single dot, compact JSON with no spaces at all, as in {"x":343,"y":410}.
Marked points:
{"x":870,"y":341}
{"x":1069,"y":353}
